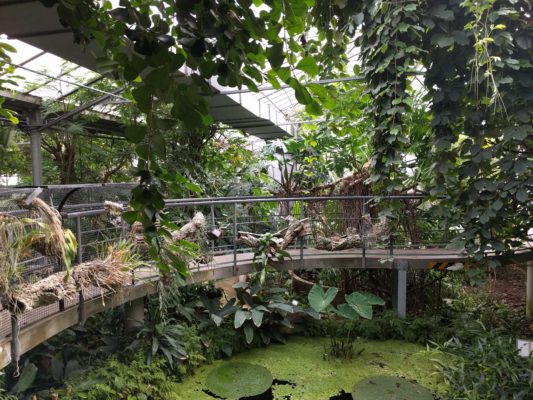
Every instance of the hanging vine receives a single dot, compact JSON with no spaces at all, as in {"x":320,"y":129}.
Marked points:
{"x":477,"y":57}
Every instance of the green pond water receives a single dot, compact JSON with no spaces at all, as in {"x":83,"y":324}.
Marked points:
{"x":301,"y":362}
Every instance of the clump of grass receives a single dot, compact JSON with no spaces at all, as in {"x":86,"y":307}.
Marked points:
{"x":11,"y":232}
{"x":48,"y":236}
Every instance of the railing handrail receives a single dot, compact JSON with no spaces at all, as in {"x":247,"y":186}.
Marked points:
{"x":211,"y":201}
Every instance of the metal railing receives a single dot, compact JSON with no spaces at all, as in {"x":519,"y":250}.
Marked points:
{"x":94,"y":227}
{"x":326,"y":215}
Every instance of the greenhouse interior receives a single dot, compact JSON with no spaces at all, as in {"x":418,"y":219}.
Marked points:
{"x":266,"y":199}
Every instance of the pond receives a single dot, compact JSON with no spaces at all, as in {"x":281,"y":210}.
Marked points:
{"x":300,"y":371}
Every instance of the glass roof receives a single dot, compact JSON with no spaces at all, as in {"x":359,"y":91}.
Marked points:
{"x":50,"y":77}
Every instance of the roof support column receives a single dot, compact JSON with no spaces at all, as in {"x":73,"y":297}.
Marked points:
{"x":35,"y":119}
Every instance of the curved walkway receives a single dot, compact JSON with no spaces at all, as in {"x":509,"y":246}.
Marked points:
{"x":38,"y":330}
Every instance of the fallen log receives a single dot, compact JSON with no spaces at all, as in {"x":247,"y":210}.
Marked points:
{"x":248,"y":239}
{"x":297,"y":228}
{"x":332,"y":244}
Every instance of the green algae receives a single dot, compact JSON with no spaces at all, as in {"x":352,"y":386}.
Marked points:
{"x":301,"y":361}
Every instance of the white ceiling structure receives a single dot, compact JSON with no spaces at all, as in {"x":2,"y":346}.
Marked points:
{"x":48,"y":58}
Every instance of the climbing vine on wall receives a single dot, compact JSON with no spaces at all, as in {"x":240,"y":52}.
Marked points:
{"x":390,"y":47}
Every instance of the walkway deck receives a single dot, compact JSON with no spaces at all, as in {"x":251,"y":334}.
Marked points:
{"x":37,"y":327}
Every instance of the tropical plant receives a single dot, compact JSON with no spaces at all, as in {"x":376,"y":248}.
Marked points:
{"x":162,"y":339}
{"x":261,"y":313}
{"x":268,"y":250}
{"x":6,"y":71}
{"x":486,"y":367}
{"x":358,"y":305}
{"x":128,"y":379}
{"x":12,"y":231}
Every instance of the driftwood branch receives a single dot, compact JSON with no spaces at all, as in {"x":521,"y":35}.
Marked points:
{"x":189,"y":229}
{"x":332,"y":244}
{"x":297,"y":228}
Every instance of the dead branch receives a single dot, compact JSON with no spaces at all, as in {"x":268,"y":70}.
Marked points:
{"x":332,"y":244}
{"x":189,"y":229}
{"x":297,"y":228}
{"x":248,"y":239}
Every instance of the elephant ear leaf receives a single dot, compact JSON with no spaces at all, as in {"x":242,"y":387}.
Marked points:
{"x":373,"y":299}
{"x":319,"y":299}
{"x":347,"y":311}
{"x":363,"y":302}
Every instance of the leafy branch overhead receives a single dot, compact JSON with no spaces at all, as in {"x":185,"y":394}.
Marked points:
{"x":471,"y":60}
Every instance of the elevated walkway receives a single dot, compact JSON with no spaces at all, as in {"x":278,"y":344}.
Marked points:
{"x":93,"y":226}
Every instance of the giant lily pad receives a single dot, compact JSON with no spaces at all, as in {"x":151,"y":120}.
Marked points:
{"x":389,"y":388}
{"x":234,"y":380}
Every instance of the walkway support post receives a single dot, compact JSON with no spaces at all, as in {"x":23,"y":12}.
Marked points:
{"x":529,"y":292}
{"x":399,"y":288}
{"x":134,"y":314}
{"x":234,"y":238}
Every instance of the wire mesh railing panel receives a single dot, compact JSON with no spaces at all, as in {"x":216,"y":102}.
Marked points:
{"x":95,"y":228}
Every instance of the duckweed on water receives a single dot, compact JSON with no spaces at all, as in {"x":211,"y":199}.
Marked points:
{"x":301,"y":362}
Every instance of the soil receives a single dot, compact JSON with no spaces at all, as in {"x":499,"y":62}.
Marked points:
{"x":508,"y":286}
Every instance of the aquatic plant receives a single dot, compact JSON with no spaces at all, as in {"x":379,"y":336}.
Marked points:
{"x":358,"y":305}
{"x":238,"y":379}
{"x":389,"y":388}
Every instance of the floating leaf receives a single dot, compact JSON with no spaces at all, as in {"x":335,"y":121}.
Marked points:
{"x":235,"y":380}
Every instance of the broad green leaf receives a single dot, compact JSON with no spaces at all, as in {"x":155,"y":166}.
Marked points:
{"x":521,"y":195}
{"x":347,"y":311}
{"x":257,"y":317}
{"x":320,"y":300}
{"x":300,"y":92}
{"x":26,"y":379}
{"x":240,"y":317}
{"x":249,"y":332}
{"x":308,"y":65}
{"x":275,"y":55}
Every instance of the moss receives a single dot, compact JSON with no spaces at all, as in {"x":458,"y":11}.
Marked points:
{"x":301,"y":361}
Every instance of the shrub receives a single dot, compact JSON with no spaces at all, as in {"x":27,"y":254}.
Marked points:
{"x":486,"y":368}
{"x":135,"y":380}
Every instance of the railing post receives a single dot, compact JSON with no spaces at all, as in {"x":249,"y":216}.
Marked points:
{"x":302,"y":216}
{"x":529,"y":290}
{"x":391,"y":245}
{"x":78,"y":239}
{"x":446,"y":230}
{"x":363,"y":233}
{"x":399,"y":288}
{"x":234,"y":237}
{"x":122,"y":228}
{"x":213,"y":227}
{"x":81,"y":307}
